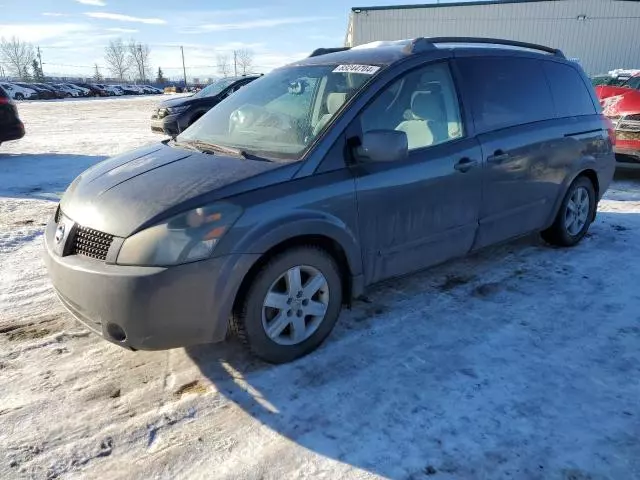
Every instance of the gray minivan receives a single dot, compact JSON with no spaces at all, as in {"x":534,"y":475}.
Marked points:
{"x":289,"y":198}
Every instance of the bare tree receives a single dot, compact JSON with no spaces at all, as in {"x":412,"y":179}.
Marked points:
{"x":17,"y":55}
{"x":116,"y":58}
{"x":139,"y":54}
{"x":244,"y":60}
{"x":224,"y":67}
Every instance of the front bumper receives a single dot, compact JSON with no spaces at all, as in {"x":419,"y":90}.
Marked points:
{"x":627,"y":153}
{"x":166,"y":126}
{"x":153,"y":308}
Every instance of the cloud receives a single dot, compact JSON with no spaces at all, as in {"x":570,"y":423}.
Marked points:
{"x":125,"y":18}
{"x":35,"y":32}
{"x":249,"y":24}
{"x":54,"y":14}
{"x":122,"y":30}
{"x":95,"y":3}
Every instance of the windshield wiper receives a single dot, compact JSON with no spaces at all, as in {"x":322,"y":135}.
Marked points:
{"x":213,"y":148}
{"x":208,"y":147}
{"x":186,"y":145}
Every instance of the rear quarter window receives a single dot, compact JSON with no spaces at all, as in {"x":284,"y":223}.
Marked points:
{"x":570,"y":94}
{"x":506,"y":91}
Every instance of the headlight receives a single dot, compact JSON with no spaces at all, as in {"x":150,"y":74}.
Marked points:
{"x":185,"y":238}
{"x":174,"y":110}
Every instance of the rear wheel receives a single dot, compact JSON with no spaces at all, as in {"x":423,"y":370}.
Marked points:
{"x":291,"y":305}
{"x":575,"y":215}
{"x":19,"y":96}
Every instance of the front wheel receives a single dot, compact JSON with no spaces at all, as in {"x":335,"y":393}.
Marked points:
{"x":19,"y":96}
{"x":291,"y":305}
{"x":575,"y":215}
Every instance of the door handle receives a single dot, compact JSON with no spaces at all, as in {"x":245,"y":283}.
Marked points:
{"x":498,"y":156}
{"x":465,"y":164}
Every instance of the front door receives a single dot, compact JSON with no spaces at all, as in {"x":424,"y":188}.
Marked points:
{"x":422,"y":210}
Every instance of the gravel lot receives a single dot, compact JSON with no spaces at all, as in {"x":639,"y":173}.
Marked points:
{"x":522,"y":361}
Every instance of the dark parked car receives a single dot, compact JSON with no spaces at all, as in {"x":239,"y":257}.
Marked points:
{"x":104,"y":91}
{"x":176,"y":114}
{"x":42,"y":93}
{"x":55,"y":93}
{"x":290,"y":197}
{"x":94,"y":90}
{"x":11,"y":128}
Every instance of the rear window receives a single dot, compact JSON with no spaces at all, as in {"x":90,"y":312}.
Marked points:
{"x":569,"y":91}
{"x":506,"y":91}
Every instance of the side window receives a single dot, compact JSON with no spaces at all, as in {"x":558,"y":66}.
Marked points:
{"x":506,"y":91}
{"x":569,"y":91}
{"x":422,"y":103}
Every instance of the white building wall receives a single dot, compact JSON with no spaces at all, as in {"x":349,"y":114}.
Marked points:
{"x":602,"y":34}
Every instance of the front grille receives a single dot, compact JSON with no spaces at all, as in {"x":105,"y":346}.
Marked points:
{"x":630,"y":123}
{"x":630,"y":136}
{"x":91,"y":243}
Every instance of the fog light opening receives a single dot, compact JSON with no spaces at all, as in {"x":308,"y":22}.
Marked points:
{"x":116,"y":332}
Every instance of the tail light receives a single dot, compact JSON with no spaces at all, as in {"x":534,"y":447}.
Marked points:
{"x":4,"y":101}
{"x":611,"y":129}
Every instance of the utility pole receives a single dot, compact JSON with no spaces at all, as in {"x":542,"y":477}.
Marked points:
{"x":40,"y":61}
{"x":235,"y":63}
{"x":184,"y":69}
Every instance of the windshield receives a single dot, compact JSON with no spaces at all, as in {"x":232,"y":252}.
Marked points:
{"x":215,"y":88}
{"x":279,"y":115}
{"x":633,"y":82}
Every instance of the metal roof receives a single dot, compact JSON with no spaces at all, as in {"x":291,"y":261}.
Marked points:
{"x":457,"y":4}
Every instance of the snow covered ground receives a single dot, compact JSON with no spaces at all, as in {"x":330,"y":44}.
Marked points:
{"x":522,"y":361}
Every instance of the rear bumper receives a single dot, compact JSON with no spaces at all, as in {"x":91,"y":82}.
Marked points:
{"x":11,"y":132}
{"x":148,"y":308}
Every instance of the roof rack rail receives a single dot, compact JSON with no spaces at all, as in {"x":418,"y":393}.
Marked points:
{"x":497,"y":41}
{"x":323,"y":51}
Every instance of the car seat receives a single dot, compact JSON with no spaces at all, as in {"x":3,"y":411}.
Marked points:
{"x":334,"y":102}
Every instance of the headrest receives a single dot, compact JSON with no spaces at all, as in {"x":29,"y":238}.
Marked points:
{"x":426,"y":106}
{"x":335,"y":101}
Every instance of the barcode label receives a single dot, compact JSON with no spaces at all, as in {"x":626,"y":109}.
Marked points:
{"x":364,"y":69}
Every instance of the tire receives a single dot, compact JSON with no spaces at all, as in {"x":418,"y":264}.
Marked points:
{"x":19,"y":96}
{"x":252,"y":318}
{"x":564,"y":232}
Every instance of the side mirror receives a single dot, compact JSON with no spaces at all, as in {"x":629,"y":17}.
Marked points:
{"x":383,"y":146}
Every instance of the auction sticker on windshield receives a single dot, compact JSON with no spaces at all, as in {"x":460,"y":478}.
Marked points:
{"x":365,"y":69}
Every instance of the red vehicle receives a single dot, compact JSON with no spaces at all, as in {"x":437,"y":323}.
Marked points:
{"x":621,"y":104}
{"x":11,"y":128}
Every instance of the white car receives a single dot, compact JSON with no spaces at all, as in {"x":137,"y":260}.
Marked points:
{"x":85,"y":92}
{"x":150,"y":89}
{"x":17,"y":92}
{"x":116,"y":89}
{"x":71,"y":91}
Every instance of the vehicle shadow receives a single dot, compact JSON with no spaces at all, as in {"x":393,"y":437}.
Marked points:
{"x":43,"y":176}
{"x":433,"y":371}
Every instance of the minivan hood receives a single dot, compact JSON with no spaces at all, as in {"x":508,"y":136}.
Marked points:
{"x":123,"y":193}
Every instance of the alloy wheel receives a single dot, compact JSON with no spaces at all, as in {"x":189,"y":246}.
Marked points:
{"x":577,"y":211}
{"x":295,"y":305}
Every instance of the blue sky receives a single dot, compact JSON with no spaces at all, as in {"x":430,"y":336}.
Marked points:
{"x":72,"y":33}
